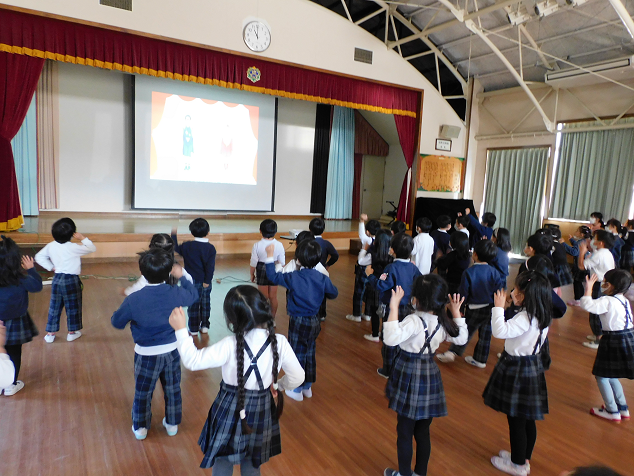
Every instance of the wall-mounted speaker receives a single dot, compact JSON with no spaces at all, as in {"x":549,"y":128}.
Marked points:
{"x":449,"y":132}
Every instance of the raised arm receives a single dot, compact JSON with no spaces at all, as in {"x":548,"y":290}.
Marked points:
{"x":33,"y":281}
{"x":86,"y":246}
{"x":198,"y":359}
{"x":177,"y":247}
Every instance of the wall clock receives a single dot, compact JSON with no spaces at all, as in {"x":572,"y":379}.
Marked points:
{"x":256,"y":36}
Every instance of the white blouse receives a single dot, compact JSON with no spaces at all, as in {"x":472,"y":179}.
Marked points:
{"x":258,"y":253}
{"x":409,"y":334}
{"x":520,"y":332}
{"x":611,"y":311}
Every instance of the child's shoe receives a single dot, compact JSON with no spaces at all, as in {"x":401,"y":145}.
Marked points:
{"x":204,"y":330}
{"x":139,"y":434}
{"x":507,"y":455}
{"x":49,"y":338}
{"x":509,"y":467}
{"x":307,"y":392}
{"x":365,"y":317}
{"x":591,"y":345}
{"x":601,"y":412}
{"x":625,"y":412}
{"x":591,"y":337}
{"x":73,"y":336}
{"x":371,"y":338}
{"x":470,"y":360}
{"x":446,"y":357}
{"x":14,"y":388}
{"x":322,"y":319}
{"x":171,"y":429}
{"x":382,"y":373}
{"x":353,"y":318}
{"x":297,"y":396}
{"x":391,"y":472}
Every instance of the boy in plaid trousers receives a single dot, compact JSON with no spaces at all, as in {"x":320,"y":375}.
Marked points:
{"x":64,"y":258}
{"x":156,"y":355}
{"x":200,"y":263}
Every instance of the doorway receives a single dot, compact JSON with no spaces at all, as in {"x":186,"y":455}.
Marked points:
{"x":372,"y":180}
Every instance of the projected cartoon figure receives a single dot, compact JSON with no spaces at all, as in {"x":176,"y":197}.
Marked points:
{"x":188,"y":138}
{"x":226,"y":146}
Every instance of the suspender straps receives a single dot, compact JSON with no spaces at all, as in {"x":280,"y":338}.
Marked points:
{"x":538,"y":344}
{"x":628,"y":316}
{"x":428,"y":339}
{"x":253,"y":367}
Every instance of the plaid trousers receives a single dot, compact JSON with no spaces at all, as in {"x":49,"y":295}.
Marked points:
{"x":148,"y":369}
{"x":360,"y":281}
{"x":302,"y":336}
{"x":199,"y":311}
{"x":66,"y":293}
{"x":477,"y":320}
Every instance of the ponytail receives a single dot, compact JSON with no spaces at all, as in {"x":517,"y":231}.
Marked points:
{"x":279,"y":406}
{"x":241,"y":390}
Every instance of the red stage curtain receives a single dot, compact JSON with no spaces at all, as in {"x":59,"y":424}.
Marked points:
{"x":70,"y":42}
{"x":18,"y":79}
{"x":406,"y":128}
{"x":356,"y":187}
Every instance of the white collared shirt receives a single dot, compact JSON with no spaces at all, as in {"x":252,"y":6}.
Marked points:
{"x":258,"y":253}
{"x":365,"y":239}
{"x":202,"y":240}
{"x":7,"y":371}
{"x":293,"y":265}
{"x":423,"y":252}
{"x":520,"y":333}
{"x":464,"y":230}
{"x":65,"y":258}
{"x":142,"y":282}
{"x":599,"y":262}
{"x":410,"y":333}
{"x":611,"y":311}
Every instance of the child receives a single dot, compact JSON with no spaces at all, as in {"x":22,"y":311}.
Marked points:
{"x":596,"y":221}
{"x":7,"y":370}
{"x":398,"y":227}
{"x":599,"y":262}
{"x":456,"y":262}
{"x":560,"y":260}
{"x":582,"y":233}
{"x":64,"y":258}
{"x":366,"y":235}
{"x":441,"y":235}
{"x":378,"y":255}
{"x":200,"y":261}
{"x":248,"y":393}
{"x":615,"y":356}
{"x":401,"y":272}
{"x":15,"y":286}
{"x":502,"y":239}
{"x":537,"y":244}
{"x":614,"y":226}
{"x":462,"y":224}
{"x":155,"y":354}
{"x":415,"y":387}
{"x":517,"y":386}
{"x":627,"y":254}
{"x":268,"y":228}
{"x":484,"y":229}
{"x":163,"y":242}
{"x":329,"y":255}
{"x":307,"y":289}
{"x":294,"y":264}
{"x":478,"y":286}
{"x":423,"y":246}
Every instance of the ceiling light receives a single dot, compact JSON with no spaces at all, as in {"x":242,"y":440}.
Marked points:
{"x":519,"y":16}
{"x":546,"y":7}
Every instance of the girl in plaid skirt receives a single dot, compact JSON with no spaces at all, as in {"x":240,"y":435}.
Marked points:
{"x":243,"y":424}
{"x":415,"y":389}
{"x":15,"y":286}
{"x":615,"y":355}
{"x":517,"y":386}
{"x":627,"y":252}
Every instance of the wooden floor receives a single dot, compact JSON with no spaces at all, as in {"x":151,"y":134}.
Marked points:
{"x":73,"y":416}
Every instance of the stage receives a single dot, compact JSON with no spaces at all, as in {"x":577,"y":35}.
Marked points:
{"x":123,"y":235}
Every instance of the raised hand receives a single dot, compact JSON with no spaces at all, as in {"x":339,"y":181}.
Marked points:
{"x":397,"y":295}
{"x":27,"y":262}
{"x":270,"y":250}
{"x":78,"y":236}
{"x":499,"y":300}
{"x":455,"y":301}
{"x":177,"y":319}
{"x":177,"y":271}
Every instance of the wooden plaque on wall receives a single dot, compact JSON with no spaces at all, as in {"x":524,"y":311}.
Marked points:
{"x":440,"y":174}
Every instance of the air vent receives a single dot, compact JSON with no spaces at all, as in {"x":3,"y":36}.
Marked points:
{"x":122,"y":4}
{"x":363,"y":56}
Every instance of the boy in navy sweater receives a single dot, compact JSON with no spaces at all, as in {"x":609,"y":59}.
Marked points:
{"x":200,"y":263}
{"x":484,"y":229}
{"x":401,"y":272}
{"x":307,"y":288}
{"x":156,"y":356}
{"x":441,"y":236}
{"x":329,"y":255}
{"x":478,"y":286}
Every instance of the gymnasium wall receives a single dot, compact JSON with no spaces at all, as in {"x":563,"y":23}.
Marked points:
{"x":303,"y":33}
{"x":96,"y":151}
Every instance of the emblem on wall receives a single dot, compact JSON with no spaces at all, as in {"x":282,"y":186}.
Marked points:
{"x":253,"y":74}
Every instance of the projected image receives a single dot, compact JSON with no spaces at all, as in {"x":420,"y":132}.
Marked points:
{"x":200,"y":140}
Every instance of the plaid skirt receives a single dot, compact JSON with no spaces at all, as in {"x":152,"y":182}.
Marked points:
{"x":564,"y":274}
{"x":260,"y":275}
{"x":615,"y":356}
{"x":517,"y":387}
{"x":20,"y":330}
{"x":222,"y":433}
{"x":627,"y":259}
{"x":415,"y":388}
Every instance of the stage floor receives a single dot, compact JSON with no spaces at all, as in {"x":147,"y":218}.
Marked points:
{"x":88,"y":223}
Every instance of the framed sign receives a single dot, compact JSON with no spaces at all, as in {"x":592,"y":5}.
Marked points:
{"x":438,"y":173}
{"x":443,"y":144}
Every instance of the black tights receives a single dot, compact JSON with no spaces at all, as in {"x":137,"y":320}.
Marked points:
{"x":15,"y":354}
{"x":405,"y":430}
{"x":523,"y":434}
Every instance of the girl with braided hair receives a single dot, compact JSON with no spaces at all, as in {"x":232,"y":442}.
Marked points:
{"x":242,"y":426}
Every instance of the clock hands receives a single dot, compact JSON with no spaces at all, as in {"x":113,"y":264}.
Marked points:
{"x":255,"y":30}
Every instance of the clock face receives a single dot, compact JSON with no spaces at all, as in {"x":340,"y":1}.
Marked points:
{"x":256,"y":36}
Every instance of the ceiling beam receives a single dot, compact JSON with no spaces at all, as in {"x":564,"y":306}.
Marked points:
{"x":624,"y":16}
{"x":345,"y":7}
{"x":371,"y":15}
{"x":530,"y":39}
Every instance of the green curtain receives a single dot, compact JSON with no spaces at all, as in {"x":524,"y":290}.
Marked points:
{"x":595,"y":172}
{"x":25,"y":158}
{"x":515,"y":184}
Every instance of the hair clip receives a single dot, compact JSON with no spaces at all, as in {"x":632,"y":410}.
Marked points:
{"x":243,"y":414}
{"x":275,"y":386}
